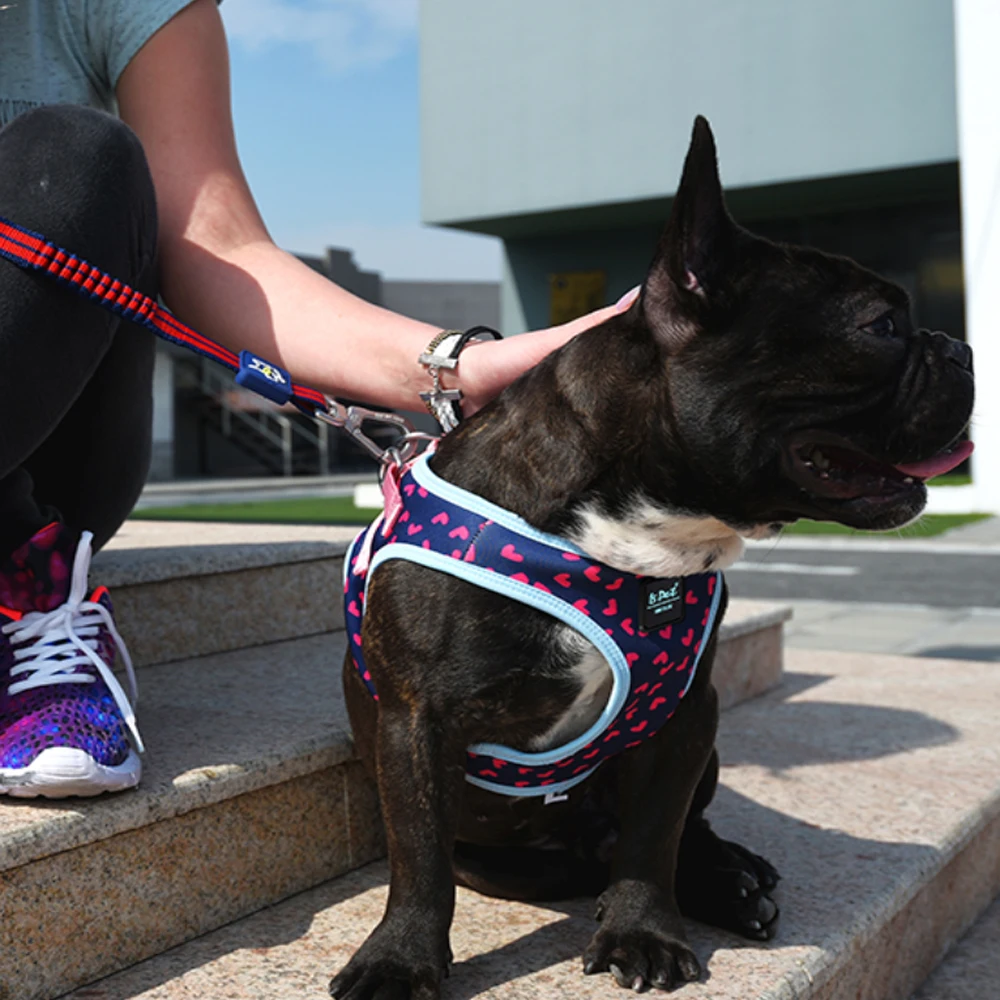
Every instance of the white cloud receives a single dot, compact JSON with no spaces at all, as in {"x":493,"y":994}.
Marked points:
{"x":342,"y":34}
{"x":408,"y":252}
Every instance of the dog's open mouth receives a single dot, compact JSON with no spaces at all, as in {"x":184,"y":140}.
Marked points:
{"x":830,"y":468}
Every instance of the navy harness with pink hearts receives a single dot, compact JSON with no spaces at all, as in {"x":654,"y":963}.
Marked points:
{"x":446,"y":528}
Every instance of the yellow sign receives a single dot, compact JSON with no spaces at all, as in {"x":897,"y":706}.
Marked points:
{"x":575,"y":293}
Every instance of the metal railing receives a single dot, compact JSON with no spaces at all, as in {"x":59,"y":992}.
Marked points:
{"x":239,"y":407}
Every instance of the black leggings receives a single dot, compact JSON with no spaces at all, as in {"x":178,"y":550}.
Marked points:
{"x":75,"y":379}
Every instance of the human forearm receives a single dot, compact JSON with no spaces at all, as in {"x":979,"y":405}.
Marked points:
{"x":222,"y":274}
{"x":255,"y":296}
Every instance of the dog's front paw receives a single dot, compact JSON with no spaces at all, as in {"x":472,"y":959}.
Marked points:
{"x":641,"y":958}
{"x":393,"y":966}
{"x":641,"y":943}
{"x":726,"y":885}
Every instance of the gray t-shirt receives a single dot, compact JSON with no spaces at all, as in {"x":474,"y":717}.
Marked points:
{"x":71,"y":51}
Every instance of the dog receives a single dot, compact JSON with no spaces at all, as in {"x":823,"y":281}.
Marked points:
{"x":749,"y":385}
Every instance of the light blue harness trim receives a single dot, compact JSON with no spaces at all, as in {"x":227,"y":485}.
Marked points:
{"x":425,"y":477}
{"x":526,"y":594}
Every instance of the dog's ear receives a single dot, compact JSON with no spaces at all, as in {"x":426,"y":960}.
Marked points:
{"x":689,"y":271}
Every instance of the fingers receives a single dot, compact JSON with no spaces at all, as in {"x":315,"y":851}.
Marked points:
{"x":575,"y":326}
{"x":490,"y":366}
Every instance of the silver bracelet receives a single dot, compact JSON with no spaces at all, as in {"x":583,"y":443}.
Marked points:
{"x":443,"y":404}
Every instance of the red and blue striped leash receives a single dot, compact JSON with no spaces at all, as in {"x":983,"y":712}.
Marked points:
{"x":34,"y":252}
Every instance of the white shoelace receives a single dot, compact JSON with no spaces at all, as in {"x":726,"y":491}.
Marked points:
{"x":66,"y":640}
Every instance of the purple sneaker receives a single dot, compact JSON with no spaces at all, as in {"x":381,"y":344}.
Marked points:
{"x":64,"y":718}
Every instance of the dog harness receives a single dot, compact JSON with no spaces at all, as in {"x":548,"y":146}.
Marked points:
{"x":650,"y":632}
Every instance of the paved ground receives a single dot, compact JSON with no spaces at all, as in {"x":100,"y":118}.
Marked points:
{"x":936,"y":597}
{"x":938,"y":576}
{"x":909,"y":630}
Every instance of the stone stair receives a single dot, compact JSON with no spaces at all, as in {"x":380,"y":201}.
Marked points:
{"x":872,"y":782}
{"x":248,"y":864}
{"x":971,"y":970}
{"x":251,"y":793}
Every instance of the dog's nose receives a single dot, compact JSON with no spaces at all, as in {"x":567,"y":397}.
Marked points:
{"x":954,"y":350}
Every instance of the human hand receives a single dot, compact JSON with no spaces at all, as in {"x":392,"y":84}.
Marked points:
{"x":488,"y":367}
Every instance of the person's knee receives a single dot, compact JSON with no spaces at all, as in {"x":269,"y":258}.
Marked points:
{"x":79,"y":138}
{"x":78,"y":151}
{"x":80,"y":177}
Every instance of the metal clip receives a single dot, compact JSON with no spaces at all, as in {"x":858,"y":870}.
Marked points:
{"x":352,"y":419}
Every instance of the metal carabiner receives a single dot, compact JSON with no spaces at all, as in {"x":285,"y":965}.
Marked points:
{"x":352,"y":419}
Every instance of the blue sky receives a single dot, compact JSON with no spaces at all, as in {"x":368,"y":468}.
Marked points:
{"x":327,"y":121}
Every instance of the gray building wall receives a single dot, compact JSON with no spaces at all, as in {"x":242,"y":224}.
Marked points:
{"x":916,"y":243}
{"x":531,"y":107}
{"x":161,"y":462}
{"x":562,"y":127}
{"x":340,"y":267}
{"x":450,"y":305}
{"x":623,"y":254}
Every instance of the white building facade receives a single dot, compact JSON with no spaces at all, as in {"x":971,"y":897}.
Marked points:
{"x":561,"y":127}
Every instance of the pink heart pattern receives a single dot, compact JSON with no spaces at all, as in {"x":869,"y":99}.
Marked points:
{"x":661,"y":663}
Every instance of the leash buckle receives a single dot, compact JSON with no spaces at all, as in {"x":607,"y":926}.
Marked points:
{"x":352,"y":419}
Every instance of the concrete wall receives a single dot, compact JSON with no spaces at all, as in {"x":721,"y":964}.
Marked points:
{"x":531,"y":106}
{"x":161,"y":464}
{"x":623,"y":254}
{"x":340,"y":267}
{"x":915,"y":244}
{"x":978,"y":32}
{"x":450,"y":305}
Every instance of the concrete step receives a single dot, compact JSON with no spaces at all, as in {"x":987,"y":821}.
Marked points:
{"x":971,"y":970}
{"x":872,"y":782}
{"x":189,"y":589}
{"x":251,"y":793}
{"x":183,"y":590}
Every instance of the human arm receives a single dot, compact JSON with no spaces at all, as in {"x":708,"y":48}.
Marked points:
{"x":222,"y":273}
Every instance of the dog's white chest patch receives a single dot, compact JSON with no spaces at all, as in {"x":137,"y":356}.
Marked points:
{"x":652,"y":540}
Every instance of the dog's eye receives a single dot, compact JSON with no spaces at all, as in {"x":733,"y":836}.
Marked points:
{"x":884,"y":326}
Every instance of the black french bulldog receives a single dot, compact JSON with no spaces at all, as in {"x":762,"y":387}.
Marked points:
{"x":749,"y":385}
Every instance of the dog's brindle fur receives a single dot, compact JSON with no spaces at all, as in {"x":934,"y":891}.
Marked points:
{"x":653,"y":441}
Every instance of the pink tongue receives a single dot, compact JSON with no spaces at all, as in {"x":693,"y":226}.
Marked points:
{"x":939,"y":464}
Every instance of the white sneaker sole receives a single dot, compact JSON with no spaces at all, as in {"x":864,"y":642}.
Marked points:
{"x":59,"y":772}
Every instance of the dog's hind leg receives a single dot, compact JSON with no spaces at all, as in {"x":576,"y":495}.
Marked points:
{"x":719,"y":882}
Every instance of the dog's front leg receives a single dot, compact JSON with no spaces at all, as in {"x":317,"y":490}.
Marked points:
{"x":420,"y":770}
{"x":641,"y":939}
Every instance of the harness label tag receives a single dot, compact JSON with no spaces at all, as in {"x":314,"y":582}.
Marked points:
{"x":661,"y":602}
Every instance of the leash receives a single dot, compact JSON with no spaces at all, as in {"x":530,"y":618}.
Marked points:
{"x":31,"y":251}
